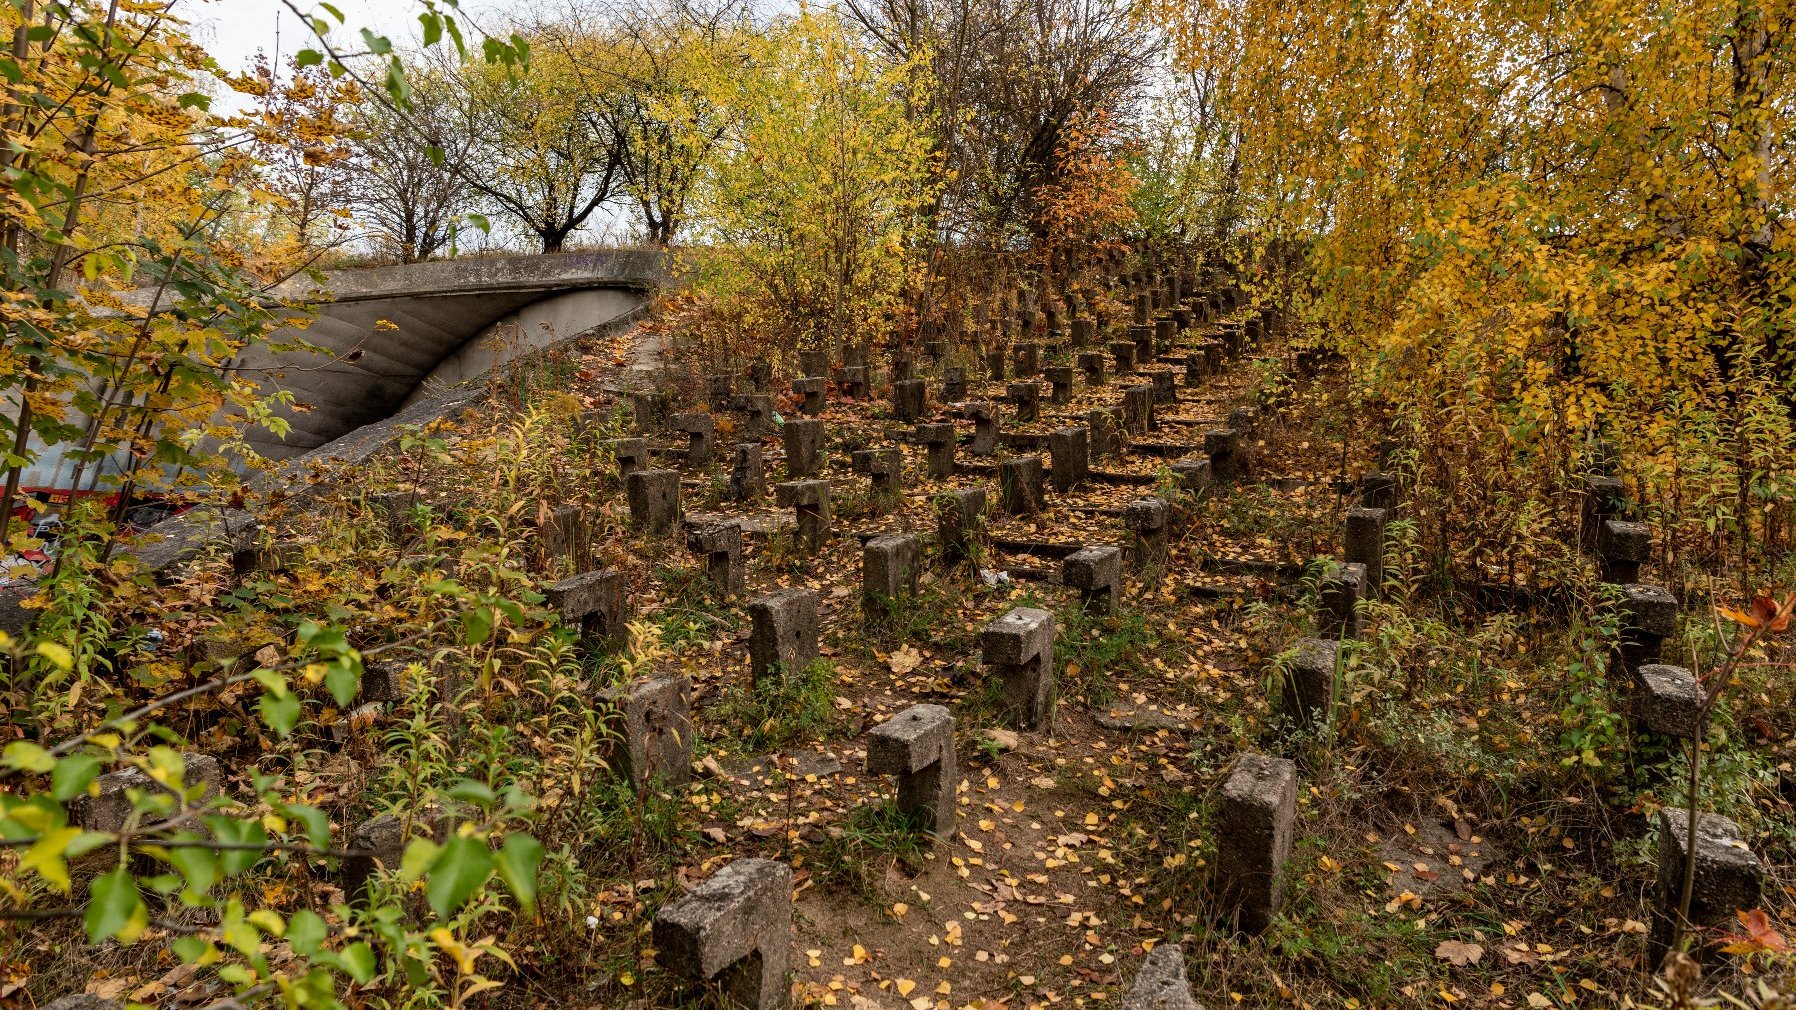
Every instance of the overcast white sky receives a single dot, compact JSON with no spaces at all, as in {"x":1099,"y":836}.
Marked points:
{"x":233,"y":30}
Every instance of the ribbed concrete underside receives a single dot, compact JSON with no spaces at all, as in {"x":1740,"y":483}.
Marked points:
{"x":395,"y":332}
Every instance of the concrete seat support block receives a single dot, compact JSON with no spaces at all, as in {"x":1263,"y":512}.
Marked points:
{"x":959,"y":517}
{"x":917,"y":745}
{"x":1308,"y":698}
{"x":1096,"y":572}
{"x":1162,"y":983}
{"x":783,"y":633}
{"x":721,"y":545}
{"x":596,"y":602}
{"x":735,"y":927}
{"x":1729,"y":877}
{"x":1256,"y":820}
{"x":654,"y":497}
{"x":657,"y":731}
{"x":1019,"y":649}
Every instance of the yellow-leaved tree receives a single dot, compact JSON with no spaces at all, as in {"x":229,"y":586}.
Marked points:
{"x":1530,"y":226}
{"x":810,"y":208}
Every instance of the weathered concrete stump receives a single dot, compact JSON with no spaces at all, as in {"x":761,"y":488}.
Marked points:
{"x":1622,"y":548}
{"x":1212,"y":356}
{"x":1069,"y":454}
{"x":720,"y":390}
{"x":701,"y":437}
{"x":737,"y":928}
{"x":1084,"y":329}
{"x":1091,"y":363}
{"x":657,"y":731}
{"x":110,"y":809}
{"x":1028,"y":359}
{"x":631,"y":454}
{"x":1256,"y":821}
{"x":852,"y":381}
{"x":1308,"y":698}
{"x":1165,"y":332}
{"x":748,"y":472}
{"x":954,"y":384}
{"x":812,"y":388}
{"x":654,"y":497}
{"x":883,"y":467}
{"x":1060,"y":379}
{"x":1137,"y":409}
{"x":1025,"y":398}
{"x":938,"y":441}
{"x":721,"y":545}
{"x":1123,"y":353}
{"x":1729,"y":878}
{"x":1165,"y":385}
{"x":1228,"y":455}
{"x":1162,"y":984}
{"x":809,"y":500}
{"x":650,"y":408}
{"x":1365,"y":545}
{"x":782,"y":639}
{"x":994,"y":363}
{"x":959,"y":523}
{"x":1193,"y":474}
{"x":1379,"y":491}
{"x":596,"y":602}
{"x":1604,"y":498}
{"x":813,"y":362}
{"x":757,"y":410}
{"x":1019,"y":649}
{"x":1232,"y":342}
{"x":889,"y":569}
{"x":1649,"y":615}
{"x":1150,"y":519}
{"x":910,"y":399}
{"x":1096,"y":572}
{"x":1020,"y":485}
{"x":804,"y":447}
{"x":984,"y":415}
{"x":917,"y":745}
{"x":1667,"y":699}
{"x":1105,"y":436}
{"x":1195,"y":369}
{"x":379,"y":843}
{"x":1143,"y":338}
{"x":1343,"y":587}
{"x":563,"y":534}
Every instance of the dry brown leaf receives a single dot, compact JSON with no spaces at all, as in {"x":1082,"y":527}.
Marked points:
{"x":1459,"y":953}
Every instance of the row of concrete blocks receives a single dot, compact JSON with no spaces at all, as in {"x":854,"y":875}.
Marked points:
{"x":910,"y":396}
{"x":735,"y":929}
{"x":596,"y":602}
{"x":1662,"y":697}
{"x":735,"y":932}
{"x":1150,"y":336}
{"x":739,"y":921}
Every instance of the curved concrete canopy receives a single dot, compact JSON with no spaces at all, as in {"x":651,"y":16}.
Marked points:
{"x":430,"y":324}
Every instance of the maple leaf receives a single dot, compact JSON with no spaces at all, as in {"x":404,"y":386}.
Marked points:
{"x":904,"y":659}
{"x":1761,"y":936}
{"x":1459,"y":953}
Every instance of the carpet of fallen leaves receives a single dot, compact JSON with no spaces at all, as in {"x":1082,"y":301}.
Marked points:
{"x":1419,"y":880}
{"x":1446,"y":853}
